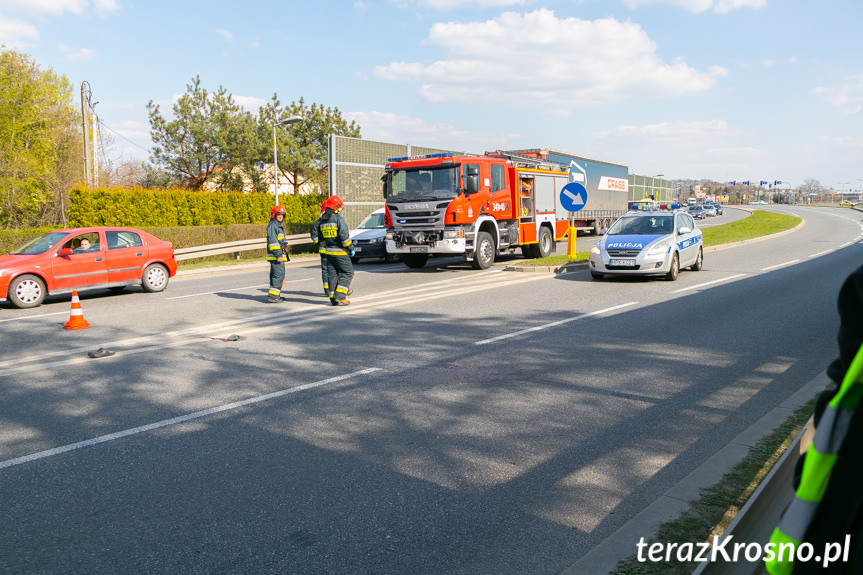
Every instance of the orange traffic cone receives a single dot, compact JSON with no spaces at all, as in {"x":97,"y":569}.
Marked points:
{"x":76,"y":318}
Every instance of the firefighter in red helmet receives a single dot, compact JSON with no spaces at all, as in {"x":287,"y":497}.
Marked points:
{"x":333,"y":237}
{"x":277,"y":254}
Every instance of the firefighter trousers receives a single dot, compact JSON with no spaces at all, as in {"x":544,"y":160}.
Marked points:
{"x":277,"y":278}
{"x":340,"y":273}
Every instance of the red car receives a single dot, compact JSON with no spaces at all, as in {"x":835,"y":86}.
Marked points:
{"x":85,"y":258}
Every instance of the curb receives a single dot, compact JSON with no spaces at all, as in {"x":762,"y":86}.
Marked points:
{"x":604,"y":557}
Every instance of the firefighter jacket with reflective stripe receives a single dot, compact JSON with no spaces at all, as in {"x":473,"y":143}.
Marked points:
{"x":820,"y":459}
{"x":331,"y":234}
{"x":276,"y":246}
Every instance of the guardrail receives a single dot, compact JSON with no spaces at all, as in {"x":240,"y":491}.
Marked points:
{"x":233,"y":247}
{"x":762,"y":511}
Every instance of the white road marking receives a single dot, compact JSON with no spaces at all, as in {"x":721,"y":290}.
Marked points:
{"x":777,"y":266}
{"x":235,"y":289}
{"x":180,"y":419}
{"x":554,"y":323}
{"x":697,"y":286}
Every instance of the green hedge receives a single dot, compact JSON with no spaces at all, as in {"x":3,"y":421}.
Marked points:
{"x":214,"y":217}
{"x":142,"y":208}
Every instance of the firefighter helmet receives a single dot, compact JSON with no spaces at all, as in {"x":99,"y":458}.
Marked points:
{"x":277,"y":210}
{"x":335,"y":203}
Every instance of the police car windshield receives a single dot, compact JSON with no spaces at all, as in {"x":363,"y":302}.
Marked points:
{"x":643,"y":225}
{"x":426,"y":183}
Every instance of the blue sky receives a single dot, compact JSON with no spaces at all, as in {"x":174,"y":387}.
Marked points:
{"x":718,"y":89}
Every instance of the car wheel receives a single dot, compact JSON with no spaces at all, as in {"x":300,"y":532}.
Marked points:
{"x":155,"y":278}
{"x":596,"y":276}
{"x":484,"y":253}
{"x":699,"y":261}
{"x":546,"y":242}
{"x":27,"y":291}
{"x":415,"y":260}
{"x":675,"y":268}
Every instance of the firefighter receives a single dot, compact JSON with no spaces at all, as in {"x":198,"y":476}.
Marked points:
{"x":828,"y":505}
{"x":331,"y":234}
{"x":319,"y":247}
{"x":277,"y":254}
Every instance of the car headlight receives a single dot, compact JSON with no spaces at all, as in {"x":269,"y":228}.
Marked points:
{"x":595,"y":250}
{"x":658,"y":250}
{"x":452,"y":234}
{"x":375,"y":240}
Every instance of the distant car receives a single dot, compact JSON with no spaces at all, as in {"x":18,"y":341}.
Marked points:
{"x":709,"y":210}
{"x":846,"y":204}
{"x":648,"y":243}
{"x":696,"y":212}
{"x":719,"y":209}
{"x":370,"y":238}
{"x":60,"y":261}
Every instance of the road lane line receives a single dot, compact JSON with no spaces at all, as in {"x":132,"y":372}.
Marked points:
{"x":554,"y":323}
{"x":825,"y":252}
{"x":777,"y":266}
{"x":34,"y":316}
{"x":180,"y":419}
{"x":697,"y":286}
{"x":235,"y":289}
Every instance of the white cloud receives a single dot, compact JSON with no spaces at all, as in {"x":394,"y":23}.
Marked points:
{"x":52,"y":7}
{"x":561,"y":65}
{"x":462,"y":4}
{"x":250,"y":103}
{"x":16,"y":33}
{"x":79,"y":55}
{"x":225,"y":34}
{"x":719,"y":6}
{"x":387,"y":127}
{"x":706,"y":130}
{"x":848,"y":96}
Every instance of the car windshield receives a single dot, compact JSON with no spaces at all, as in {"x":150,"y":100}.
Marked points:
{"x":426,"y":183}
{"x":652,"y":225}
{"x":40,"y":244}
{"x":694,"y":208}
{"x":373,"y":221}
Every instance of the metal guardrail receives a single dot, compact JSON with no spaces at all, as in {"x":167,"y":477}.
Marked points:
{"x":233,"y":247}
{"x":762,"y":511}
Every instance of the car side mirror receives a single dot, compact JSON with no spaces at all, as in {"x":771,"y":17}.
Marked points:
{"x":684,"y":230}
{"x":65,"y":252}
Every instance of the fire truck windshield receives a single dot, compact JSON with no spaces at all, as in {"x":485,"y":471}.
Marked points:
{"x":425,"y":183}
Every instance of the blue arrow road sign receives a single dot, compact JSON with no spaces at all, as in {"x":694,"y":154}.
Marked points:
{"x":573,"y":196}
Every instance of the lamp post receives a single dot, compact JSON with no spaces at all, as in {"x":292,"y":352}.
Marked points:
{"x":291,"y":120}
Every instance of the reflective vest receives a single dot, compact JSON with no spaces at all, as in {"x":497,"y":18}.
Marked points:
{"x":817,"y":466}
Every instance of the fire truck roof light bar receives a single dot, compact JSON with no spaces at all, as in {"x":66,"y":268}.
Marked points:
{"x":426,"y":157}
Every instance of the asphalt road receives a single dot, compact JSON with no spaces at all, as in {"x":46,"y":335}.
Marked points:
{"x":448,"y":421}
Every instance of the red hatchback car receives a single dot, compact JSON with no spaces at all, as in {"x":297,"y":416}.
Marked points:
{"x":85,"y":258}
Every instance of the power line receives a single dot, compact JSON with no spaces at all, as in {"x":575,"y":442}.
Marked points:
{"x":102,"y":123}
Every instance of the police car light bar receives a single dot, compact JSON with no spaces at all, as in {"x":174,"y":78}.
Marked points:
{"x":426,"y":157}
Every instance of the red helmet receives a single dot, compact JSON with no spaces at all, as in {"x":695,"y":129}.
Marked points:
{"x":277,"y":210}
{"x":335,"y":203}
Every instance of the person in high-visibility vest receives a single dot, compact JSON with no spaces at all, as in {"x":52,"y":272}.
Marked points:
{"x":827,"y":509}
{"x":277,"y":254}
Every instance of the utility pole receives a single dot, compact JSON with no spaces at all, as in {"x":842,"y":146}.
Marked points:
{"x":85,"y":132}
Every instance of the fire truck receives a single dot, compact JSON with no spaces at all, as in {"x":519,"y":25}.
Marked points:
{"x":481,"y":206}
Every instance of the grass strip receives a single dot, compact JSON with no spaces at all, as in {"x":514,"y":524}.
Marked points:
{"x":720,"y":503}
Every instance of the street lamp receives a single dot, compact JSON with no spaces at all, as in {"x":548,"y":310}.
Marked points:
{"x":291,"y":120}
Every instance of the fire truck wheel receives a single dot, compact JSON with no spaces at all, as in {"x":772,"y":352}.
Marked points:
{"x":546,"y":242}
{"x":415,"y":260}
{"x":484,"y":254}
{"x":529,"y":252}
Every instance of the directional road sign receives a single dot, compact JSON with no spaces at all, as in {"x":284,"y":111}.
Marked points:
{"x":573,"y":196}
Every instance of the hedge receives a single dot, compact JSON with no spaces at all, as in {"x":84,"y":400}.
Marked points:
{"x":187,"y":219}
{"x":141,"y":208}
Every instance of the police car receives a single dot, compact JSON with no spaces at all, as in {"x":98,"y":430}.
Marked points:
{"x":648,"y":244}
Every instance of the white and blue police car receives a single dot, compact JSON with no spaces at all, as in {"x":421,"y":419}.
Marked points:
{"x":648,"y":244}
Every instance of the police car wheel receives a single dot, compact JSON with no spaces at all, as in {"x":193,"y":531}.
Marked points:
{"x":699,"y":261}
{"x":675,"y":268}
